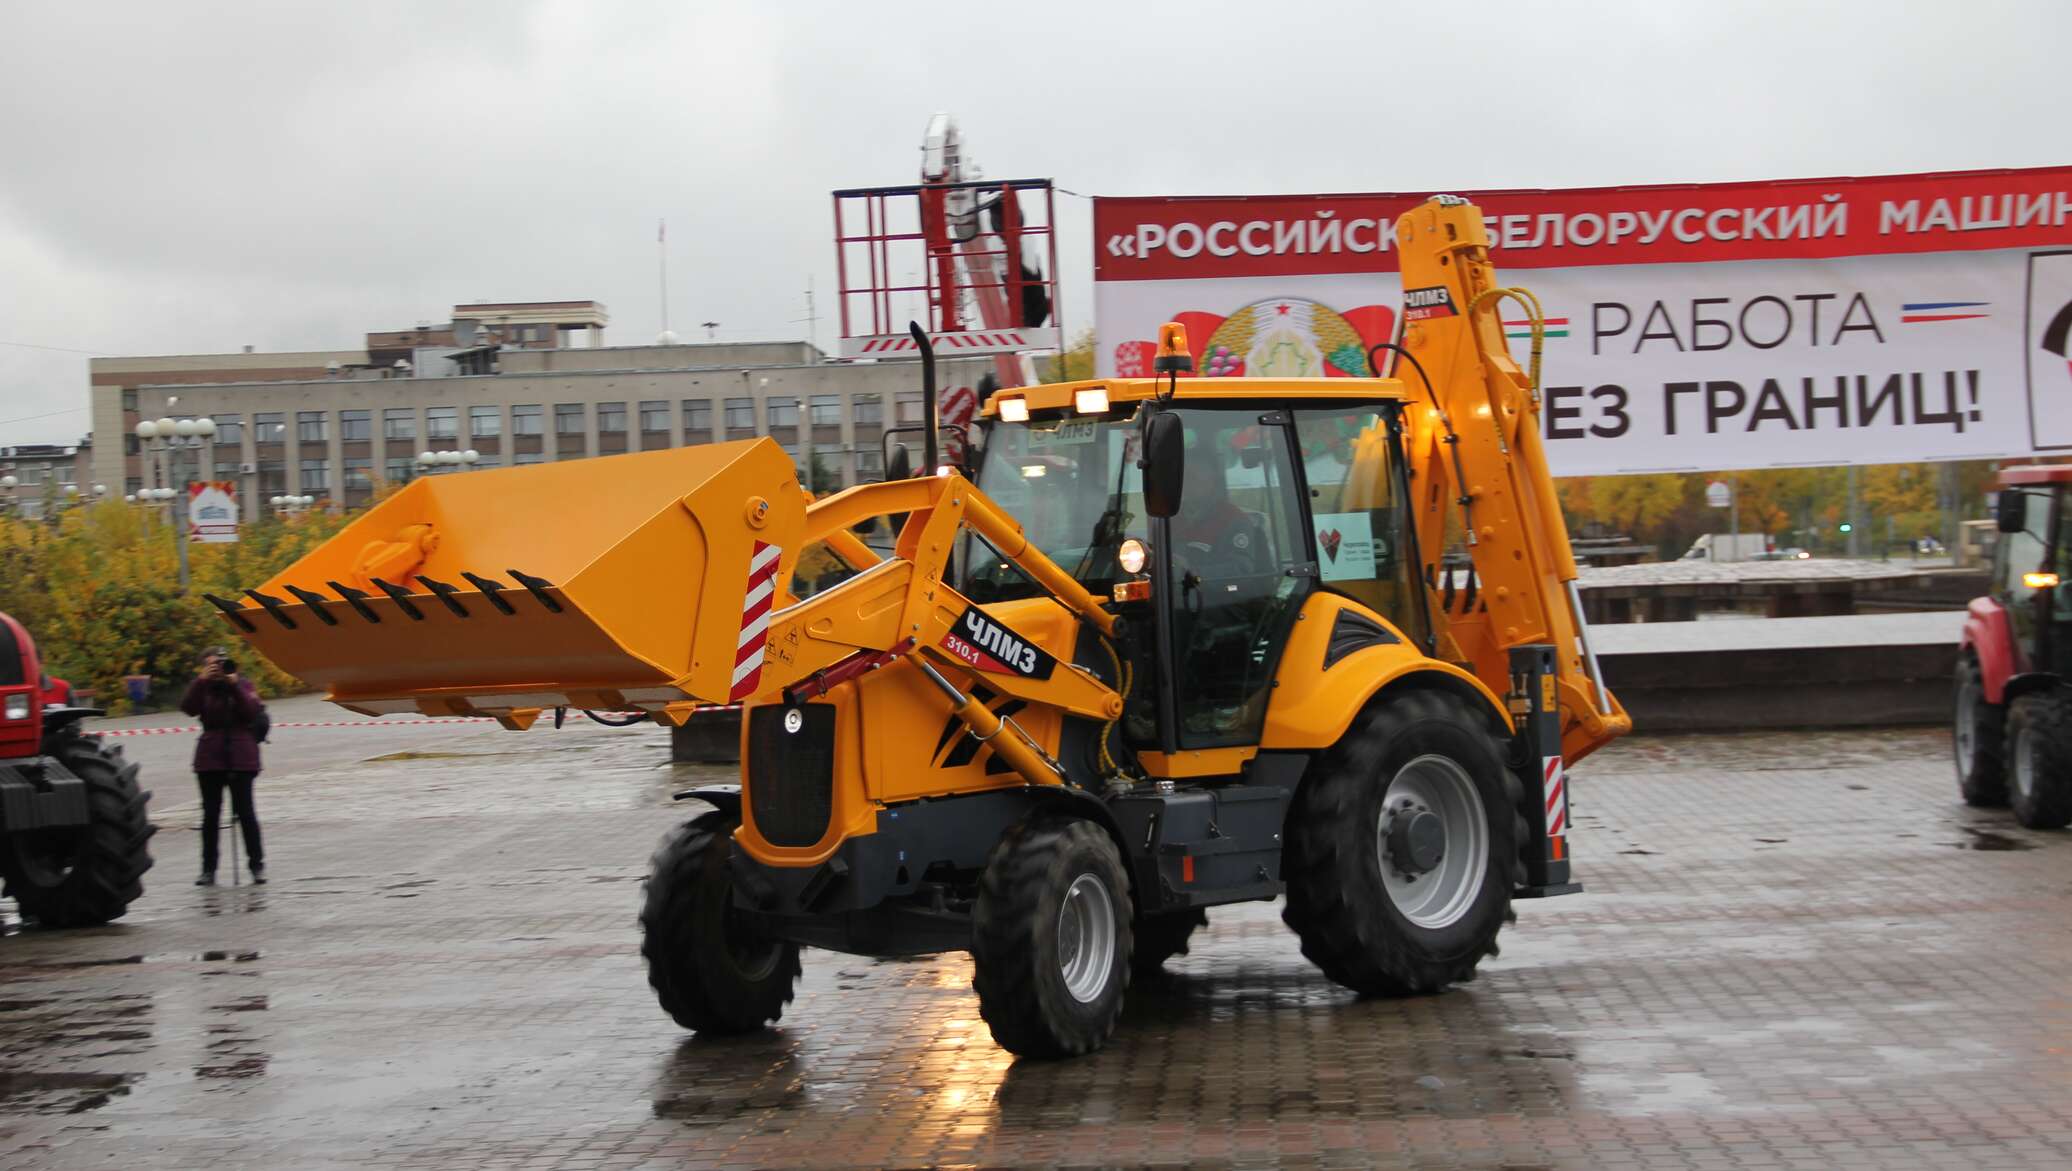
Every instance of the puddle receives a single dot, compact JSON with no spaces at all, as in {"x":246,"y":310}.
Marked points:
{"x":1986,"y":839}
{"x":62,"y":1093}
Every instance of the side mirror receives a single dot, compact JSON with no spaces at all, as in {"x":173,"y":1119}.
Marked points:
{"x":2011,"y":510}
{"x":1164,"y":463}
{"x":899,"y":465}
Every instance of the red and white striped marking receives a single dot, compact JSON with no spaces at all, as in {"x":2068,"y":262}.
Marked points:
{"x":755,"y":621}
{"x":1555,"y":789}
{"x":190,"y":729}
{"x":966,"y":341}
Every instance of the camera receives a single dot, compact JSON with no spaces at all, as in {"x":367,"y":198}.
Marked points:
{"x":228,"y":666}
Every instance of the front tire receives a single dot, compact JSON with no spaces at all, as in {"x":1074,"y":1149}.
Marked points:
{"x":1978,"y":739}
{"x":84,"y":876}
{"x":1403,"y":847}
{"x":2039,"y":756}
{"x":1051,"y":938}
{"x":712,"y":972}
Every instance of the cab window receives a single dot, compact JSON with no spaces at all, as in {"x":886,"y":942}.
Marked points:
{"x":1349,"y":461}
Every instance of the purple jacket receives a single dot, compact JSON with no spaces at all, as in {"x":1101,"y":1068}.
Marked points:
{"x":226,"y":712}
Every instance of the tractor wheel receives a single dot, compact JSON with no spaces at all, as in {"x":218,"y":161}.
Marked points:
{"x":1979,"y":738}
{"x":1403,"y":848}
{"x":712,"y":971}
{"x":84,"y":875}
{"x":1051,"y":938}
{"x":2039,"y":751}
{"x":1159,"y":938}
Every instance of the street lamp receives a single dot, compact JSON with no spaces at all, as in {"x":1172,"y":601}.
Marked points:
{"x":430,"y":461}
{"x":8,"y":483}
{"x":287,"y":506}
{"x":164,"y":440}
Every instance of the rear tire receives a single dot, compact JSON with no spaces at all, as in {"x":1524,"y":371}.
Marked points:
{"x":1978,"y":739}
{"x":2039,"y":756}
{"x":84,"y":876}
{"x":1421,"y":752}
{"x":1159,"y":938}
{"x":712,"y":972}
{"x":1051,"y":938}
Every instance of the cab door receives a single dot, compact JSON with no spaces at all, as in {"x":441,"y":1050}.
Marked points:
{"x":1237,"y":568}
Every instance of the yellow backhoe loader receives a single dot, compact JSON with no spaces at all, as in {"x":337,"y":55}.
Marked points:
{"x":1170,"y":643}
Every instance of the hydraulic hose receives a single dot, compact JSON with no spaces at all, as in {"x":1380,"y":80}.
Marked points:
{"x":1452,"y":440}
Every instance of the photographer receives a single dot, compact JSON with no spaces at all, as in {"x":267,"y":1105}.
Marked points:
{"x":226,"y":756}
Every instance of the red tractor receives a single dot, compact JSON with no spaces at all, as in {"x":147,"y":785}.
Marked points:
{"x":73,"y":834}
{"x":2014,"y":670}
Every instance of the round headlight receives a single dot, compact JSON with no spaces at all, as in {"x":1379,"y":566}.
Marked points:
{"x":1132,"y":556}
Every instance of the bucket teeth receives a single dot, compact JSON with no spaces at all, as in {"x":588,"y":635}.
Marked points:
{"x":234,"y":610}
{"x":444,"y":593}
{"x":357,"y":599}
{"x":538,"y":586}
{"x":315,"y":601}
{"x":401,"y":597}
{"x":490,"y":591}
{"x":274,"y":606}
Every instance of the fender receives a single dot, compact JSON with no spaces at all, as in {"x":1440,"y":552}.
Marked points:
{"x":1312,"y":707}
{"x":1988,"y":635}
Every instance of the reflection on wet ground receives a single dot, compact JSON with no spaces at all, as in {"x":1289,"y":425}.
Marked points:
{"x":1780,"y":961}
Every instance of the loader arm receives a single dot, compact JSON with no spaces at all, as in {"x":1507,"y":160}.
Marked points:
{"x":1482,"y":473}
{"x":655,"y":582}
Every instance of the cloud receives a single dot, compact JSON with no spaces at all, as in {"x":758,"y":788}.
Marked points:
{"x":190,"y":177}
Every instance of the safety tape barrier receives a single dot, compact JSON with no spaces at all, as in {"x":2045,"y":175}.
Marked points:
{"x":187,"y":729}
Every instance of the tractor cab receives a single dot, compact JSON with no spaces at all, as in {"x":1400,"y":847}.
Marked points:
{"x":1209,"y":513}
{"x":2013,"y":710}
{"x":2032,"y":570}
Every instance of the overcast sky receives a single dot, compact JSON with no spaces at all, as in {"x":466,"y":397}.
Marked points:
{"x":194,"y":177}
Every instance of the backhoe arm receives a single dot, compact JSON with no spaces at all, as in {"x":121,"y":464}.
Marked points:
{"x":1482,"y":472}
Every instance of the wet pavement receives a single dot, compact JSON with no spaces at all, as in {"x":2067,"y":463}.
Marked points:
{"x":1795,"y":951}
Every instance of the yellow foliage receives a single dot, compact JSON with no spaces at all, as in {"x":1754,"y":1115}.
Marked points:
{"x":97,"y":587}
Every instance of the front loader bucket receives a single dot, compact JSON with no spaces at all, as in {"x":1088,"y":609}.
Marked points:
{"x":600,"y":583}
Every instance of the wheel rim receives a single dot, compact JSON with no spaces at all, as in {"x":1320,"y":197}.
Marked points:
{"x":1086,"y":938}
{"x":1966,"y":732}
{"x":753,"y":954}
{"x":47,"y":858}
{"x":2024,"y":762}
{"x":1432,"y":893}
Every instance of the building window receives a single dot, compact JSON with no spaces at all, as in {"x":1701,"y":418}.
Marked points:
{"x":311,"y":426}
{"x":358,"y":475}
{"x":270,"y":427}
{"x":611,"y":418}
{"x":399,"y":470}
{"x":827,"y":410}
{"x":316,"y":475}
{"x":568,"y":419}
{"x":485,"y":422}
{"x":697,"y":419}
{"x":273,"y":477}
{"x":870,"y":411}
{"x":654,"y":416}
{"x":441,"y":423}
{"x":526,"y":419}
{"x":489,"y":461}
{"x":129,"y":400}
{"x":784,"y":412}
{"x":528,"y":457}
{"x":132,"y":486}
{"x":909,"y":408}
{"x":230,"y":430}
{"x":869,"y":464}
{"x":131,"y":445}
{"x":353,"y":426}
{"x":399,"y":423}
